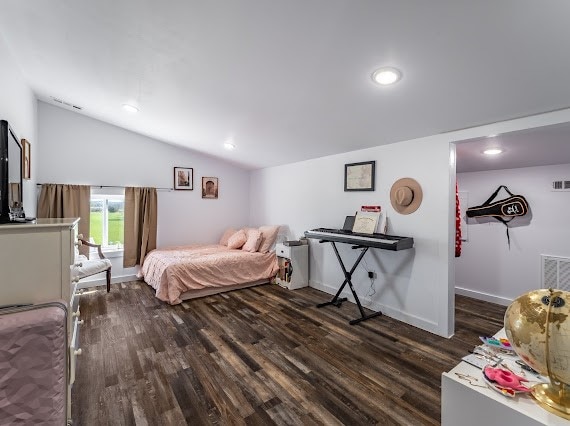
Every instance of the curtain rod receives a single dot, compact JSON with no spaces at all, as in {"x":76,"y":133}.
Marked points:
{"x":111,"y":186}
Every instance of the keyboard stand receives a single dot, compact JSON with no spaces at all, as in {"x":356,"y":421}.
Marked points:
{"x":336,"y":300}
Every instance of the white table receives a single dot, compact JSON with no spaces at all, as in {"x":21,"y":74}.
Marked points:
{"x":465,"y":405}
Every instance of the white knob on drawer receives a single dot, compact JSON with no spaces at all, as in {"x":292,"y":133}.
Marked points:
{"x":80,"y":321}
{"x":80,"y":236}
{"x":76,"y":314}
{"x":78,"y":352}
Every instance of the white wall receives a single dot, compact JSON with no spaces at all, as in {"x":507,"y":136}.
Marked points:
{"x":76,"y":149}
{"x":18,"y":106}
{"x":487,"y":269}
{"x":416,"y":286}
{"x":310,"y":194}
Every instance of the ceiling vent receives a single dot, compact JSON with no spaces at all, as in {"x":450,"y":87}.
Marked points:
{"x":561,"y":185}
{"x":65,"y":103}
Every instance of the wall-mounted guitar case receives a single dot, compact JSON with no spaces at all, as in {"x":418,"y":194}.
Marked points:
{"x":509,"y":208}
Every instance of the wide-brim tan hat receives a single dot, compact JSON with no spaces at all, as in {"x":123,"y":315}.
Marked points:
{"x":406,"y":195}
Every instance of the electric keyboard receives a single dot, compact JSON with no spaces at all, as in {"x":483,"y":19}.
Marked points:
{"x":382,"y":241}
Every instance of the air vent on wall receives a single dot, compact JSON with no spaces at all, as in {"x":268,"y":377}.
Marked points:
{"x":555,"y":272}
{"x":64,"y":103}
{"x":561,"y":185}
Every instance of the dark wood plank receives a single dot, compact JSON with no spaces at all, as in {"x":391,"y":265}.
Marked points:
{"x":260,"y":356}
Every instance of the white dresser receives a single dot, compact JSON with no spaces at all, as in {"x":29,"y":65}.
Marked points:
{"x":35,"y":266}
{"x":35,"y":261}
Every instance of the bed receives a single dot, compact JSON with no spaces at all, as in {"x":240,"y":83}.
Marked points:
{"x":186,"y":272}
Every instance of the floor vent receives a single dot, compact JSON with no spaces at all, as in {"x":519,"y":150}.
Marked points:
{"x":561,"y":185}
{"x":555,"y":272}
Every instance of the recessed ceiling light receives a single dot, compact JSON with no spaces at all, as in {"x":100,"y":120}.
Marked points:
{"x":494,"y":135}
{"x":386,"y":75}
{"x":493,"y":151}
{"x":229,"y":146}
{"x":130,"y":108}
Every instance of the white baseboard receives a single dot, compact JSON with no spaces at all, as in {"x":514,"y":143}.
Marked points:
{"x":504,"y":301}
{"x":103,"y":281}
{"x":366,"y":302}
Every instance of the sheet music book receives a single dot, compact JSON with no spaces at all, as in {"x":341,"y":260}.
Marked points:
{"x":366,"y":222}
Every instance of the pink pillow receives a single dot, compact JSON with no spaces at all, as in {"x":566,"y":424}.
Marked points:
{"x":253,"y":240}
{"x":224,"y":240}
{"x":268,"y":235}
{"x":237,"y":240}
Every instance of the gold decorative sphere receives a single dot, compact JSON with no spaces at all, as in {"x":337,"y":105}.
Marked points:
{"x":537,"y":325}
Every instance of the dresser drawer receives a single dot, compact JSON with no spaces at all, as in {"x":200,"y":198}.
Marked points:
{"x":74,"y":313}
{"x":74,"y":243}
{"x":74,"y":304}
{"x":74,"y":349}
{"x":73,"y":289}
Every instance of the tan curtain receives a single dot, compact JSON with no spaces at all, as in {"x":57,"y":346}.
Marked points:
{"x":59,"y":201}
{"x":140,"y":224}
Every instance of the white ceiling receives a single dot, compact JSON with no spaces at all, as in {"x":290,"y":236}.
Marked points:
{"x":541,"y":146}
{"x":290,"y":80}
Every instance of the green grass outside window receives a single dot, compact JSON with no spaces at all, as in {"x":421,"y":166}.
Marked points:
{"x":116,"y":227}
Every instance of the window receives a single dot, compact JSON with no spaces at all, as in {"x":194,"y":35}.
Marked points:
{"x":107,"y":220}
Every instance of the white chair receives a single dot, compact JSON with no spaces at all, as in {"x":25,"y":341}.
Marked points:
{"x":84,"y":267}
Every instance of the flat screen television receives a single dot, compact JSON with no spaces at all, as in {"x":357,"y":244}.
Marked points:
{"x":10,"y":174}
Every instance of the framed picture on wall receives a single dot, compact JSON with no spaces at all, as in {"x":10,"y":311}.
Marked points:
{"x":359,"y":176}
{"x":183,"y":178}
{"x":210,"y":187}
{"x":26,"y":160}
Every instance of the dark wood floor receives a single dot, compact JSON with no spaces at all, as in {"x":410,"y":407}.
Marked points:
{"x":260,"y":356}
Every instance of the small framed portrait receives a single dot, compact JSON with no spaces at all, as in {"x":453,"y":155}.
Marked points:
{"x":183,"y":178}
{"x":210,"y":187}
{"x":359,"y":176}
{"x":26,"y":160}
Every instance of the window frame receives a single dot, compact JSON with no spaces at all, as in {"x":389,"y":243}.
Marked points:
{"x":105,"y":196}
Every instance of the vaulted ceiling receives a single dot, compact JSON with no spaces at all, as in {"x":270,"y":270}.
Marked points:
{"x":290,"y":80}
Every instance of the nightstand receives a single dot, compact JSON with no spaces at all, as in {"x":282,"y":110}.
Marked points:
{"x":293,"y":266}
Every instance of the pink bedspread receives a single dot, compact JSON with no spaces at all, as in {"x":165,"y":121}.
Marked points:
{"x":174,"y":270}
